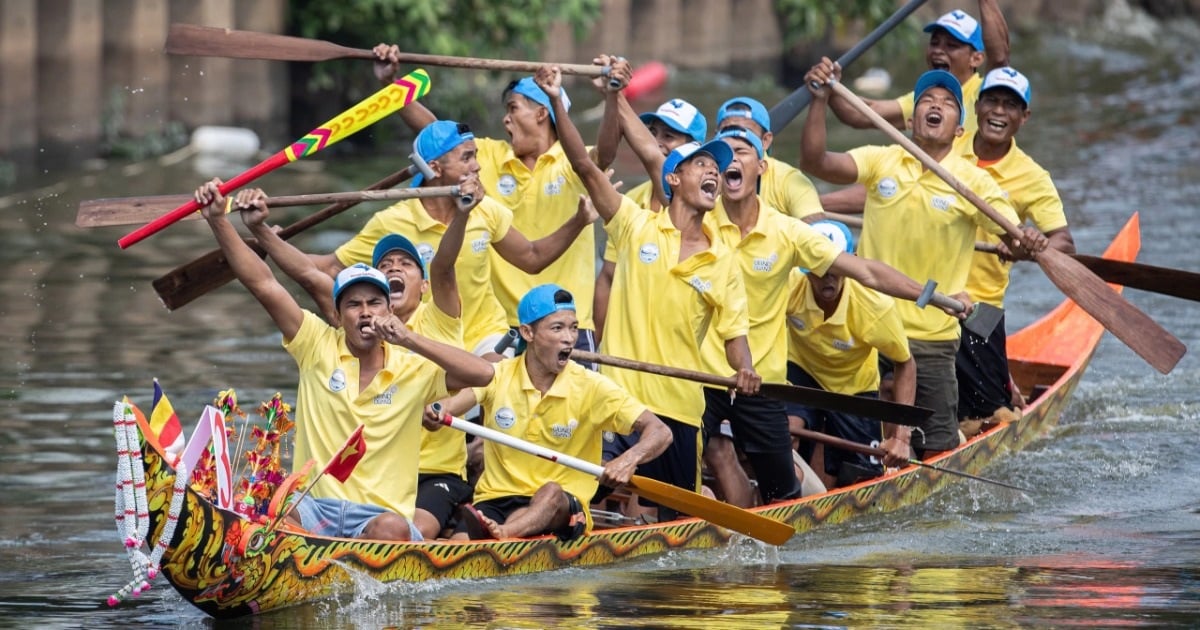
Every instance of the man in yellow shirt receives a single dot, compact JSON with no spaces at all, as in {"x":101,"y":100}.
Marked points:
{"x":544,"y":397}
{"x":984,"y":385}
{"x":918,"y":224}
{"x":530,"y":175}
{"x":675,"y":283}
{"x":351,"y":375}
{"x":837,"y":328}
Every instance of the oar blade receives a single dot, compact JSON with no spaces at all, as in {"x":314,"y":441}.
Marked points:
{"x":1143,"y":335}
{"x":867,"y":407}
{"x":128,"y":210}
{"x":1173,"y":282}
{"x":207,"y":41}
{"x":728,"y":516}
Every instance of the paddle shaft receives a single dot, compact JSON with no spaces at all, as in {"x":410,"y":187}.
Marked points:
{"x":1143,"y":335}
{"x":210,"y":271}
{"x":847,"y":445}
{"x":857,"y":405}
{"x":792,"y":104}
{"x":691,"y":503}
{"x":206,"y":41}
{"x":358,"y":196}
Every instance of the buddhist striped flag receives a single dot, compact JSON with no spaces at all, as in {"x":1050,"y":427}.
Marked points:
{"x":165,"y":423}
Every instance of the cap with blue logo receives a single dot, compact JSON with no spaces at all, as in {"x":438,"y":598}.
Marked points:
{"x":529,"y":89}
{"x":680,"y":116}
{"x":837,"y":232}
{"x":397,"y":242}
{"x":684,"y":152}
{"x":543,"y":300}
{"x":745,"y":107}
{"x":359,"y":273}
{"x":942,"y":79}
{"x":1010,"y":79}
{"x":437,"y":139}
{"x":961,"y":26}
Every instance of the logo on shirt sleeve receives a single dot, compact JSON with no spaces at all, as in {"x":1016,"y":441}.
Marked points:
{"x":337,"y":381}
{"x":505,"y":418}
{"x":507,"y":185}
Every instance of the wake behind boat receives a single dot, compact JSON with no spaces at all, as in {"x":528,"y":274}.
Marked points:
{"x":229,"y":565}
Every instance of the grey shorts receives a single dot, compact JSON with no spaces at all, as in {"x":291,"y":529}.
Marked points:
{"x":338,"y":518}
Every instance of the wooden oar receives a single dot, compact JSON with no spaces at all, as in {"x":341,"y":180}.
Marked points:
{"x":792,"y":104}
{"x":191,"y":280}
{"x":206,"y":41}
{"x":1165,"y":280}
{"x":1143,"y":335}
{"x":857,"y":405}
{"x":392,"y":98}
{"x":102,"y":212}
{"x":690,"y":503}
{"x":847,"y":445}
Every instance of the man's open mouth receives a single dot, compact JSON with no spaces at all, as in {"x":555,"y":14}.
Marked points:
{"x":396,"y":286}
{"x":733,"y":179}
{"x":709,"y":187}
{"x":564,"y":355}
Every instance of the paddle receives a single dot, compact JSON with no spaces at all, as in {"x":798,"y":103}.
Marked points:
{"x":983,"y":319}
{"x":390,"y":99}
{"x":873,"y":451}
{"x":857,"y":405}
{"x":794,"y":103}
{"x":1143,"y":335}
{"x":685,"y":501}
{"x":206,"y":41}
{"x":1165,"y":280}
{"x":102,"y":212}
{"x":191,"y":280}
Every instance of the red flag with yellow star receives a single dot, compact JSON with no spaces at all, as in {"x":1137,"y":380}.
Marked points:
{"x":346,"y":459}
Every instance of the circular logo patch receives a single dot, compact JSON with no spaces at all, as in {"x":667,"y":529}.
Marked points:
{"x":507,"y":185}
{"x":887,"y":187}
{"x":425,"y":251}
{"x":337,"y":380}
{"x":505,"y":418}
{"x":648,"y":253}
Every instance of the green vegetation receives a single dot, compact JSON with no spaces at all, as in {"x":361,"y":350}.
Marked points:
{"x":809,"y":20}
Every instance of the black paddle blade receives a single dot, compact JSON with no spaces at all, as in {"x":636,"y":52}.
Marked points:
{"x":867,"y":407}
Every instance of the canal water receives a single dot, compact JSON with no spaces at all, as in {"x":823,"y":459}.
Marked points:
{"x":1109,"y":535}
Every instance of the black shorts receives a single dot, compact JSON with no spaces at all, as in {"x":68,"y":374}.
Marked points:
{"x":839,"y":463}
{"x":679,"y":465}
{"x":441,"y":494}
{"x":760,"y":430}
{"x":982,"y":369}
{"x":500,"y":509}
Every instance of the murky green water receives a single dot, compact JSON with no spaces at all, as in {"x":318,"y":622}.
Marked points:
{"x":1110,"y":535}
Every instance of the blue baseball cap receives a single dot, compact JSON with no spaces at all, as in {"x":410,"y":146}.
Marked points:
{"x":744,"y":134}
{"x":393,"y":242}
{"x":745,"y":107}
{"x":530,"y":90}
{"x":962,"y":26}
{"x":684,"y":152}
{"x":943,"y":79}
{"x":543,"y":300}
{"x":681,"y":116}
{"x":1010,"y":79}
{"x":837,"y":232}
{"x":357,"y":273}
{"x":437,"y":139}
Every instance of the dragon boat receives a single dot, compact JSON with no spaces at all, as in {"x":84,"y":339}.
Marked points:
{"x":229,"y":565}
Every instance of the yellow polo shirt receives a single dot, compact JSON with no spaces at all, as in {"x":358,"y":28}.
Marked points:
{"x":842,"y":352}
{"x":774,"y":246}
{"x":1032,"y":193}
{"x":442,"y":452}
{"x":489,"y":222}
{"x":918,"y":224}
{"x":329,"y":407}
{"x":541,"y":200}
{"x":571,"y":419}
{"x":660,"y":309}
{"x":788,"y":190}
{"x":970,"y":93}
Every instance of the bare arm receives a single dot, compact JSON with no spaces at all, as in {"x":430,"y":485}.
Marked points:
{"x":849,"y":200}
{"x":415,"y":115}
{"x":600,"y":298}
{"x":737,"y":353}
{"x":654,"y":438}
{"x":609,"y":135}
{"x":250,"y":270}
{"x":295,"y":263}
{"x":896,"y":437}
{"x":534,"y":256}
{"x":456,"y":405}
{"x":888,"y":109}
{"x":645,"y":147}
{"x":877,"y":275}
{"x":995,"y":34}
{"x":463,"y":369}
{"x":443,"y":279}
{"x":815,"y":157}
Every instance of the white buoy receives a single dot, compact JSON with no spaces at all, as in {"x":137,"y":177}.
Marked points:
{"x":234,"y":144}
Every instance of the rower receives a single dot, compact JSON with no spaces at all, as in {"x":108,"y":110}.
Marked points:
{"x":530,"y":175}
{"x":675,"y":283}
{"x":543,"y":396}
{"x":837,"y":328}
{"x":918,"y":224}
{"x":985,"y":390}
{"x":351,"y":375}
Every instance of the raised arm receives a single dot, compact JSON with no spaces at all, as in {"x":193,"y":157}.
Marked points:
{"x":534,"y":256}
{"x":995,"y":34}
{"x":295,"y":263}
{"x":644,"y":146}
{"x":250,"y":270}
{"x":608,"y":138}
{"x":387,"y":63}
{"x":815,"y":157}
{"x":604,"y":196}
{"x":443,"y":278}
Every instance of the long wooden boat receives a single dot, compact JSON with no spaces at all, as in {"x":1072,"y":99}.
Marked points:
{"x":204,"y":562}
